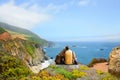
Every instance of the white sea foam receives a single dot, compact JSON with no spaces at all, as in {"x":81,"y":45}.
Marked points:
{"x":46,"y":64}
{"x":41,"y":66}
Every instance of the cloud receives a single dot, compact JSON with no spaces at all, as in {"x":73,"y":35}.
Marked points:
{"x":115,"y":37}
{"x":28,"y":13}
{"x":50,"y":7}
{"x":21,"y":16}
{"x":55,"y":8}
{"x":86,"y":2}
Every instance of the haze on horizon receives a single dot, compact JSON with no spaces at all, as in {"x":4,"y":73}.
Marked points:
{"x":65,"y":20}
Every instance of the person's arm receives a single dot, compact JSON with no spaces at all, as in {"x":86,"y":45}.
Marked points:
{"x":74,"y":56}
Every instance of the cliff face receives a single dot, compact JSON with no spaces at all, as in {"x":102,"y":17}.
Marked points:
{"x":30,"y":53}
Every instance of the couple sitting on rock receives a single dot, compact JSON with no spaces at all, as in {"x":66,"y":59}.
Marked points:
{"x":66,"y":56}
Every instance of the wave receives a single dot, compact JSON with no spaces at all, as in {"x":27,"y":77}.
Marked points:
{"x":83,"y":47}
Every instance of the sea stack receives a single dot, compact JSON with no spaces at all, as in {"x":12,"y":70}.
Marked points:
{"x":114,"y":61}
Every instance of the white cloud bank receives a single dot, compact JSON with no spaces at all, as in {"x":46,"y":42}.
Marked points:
{"x":86,"y":2}
{"x":21,"y":16}
{"x":28,"y":14}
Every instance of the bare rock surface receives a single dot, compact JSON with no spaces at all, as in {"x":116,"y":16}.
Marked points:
{"x":114,"y":61}
{"x":69,"y":66}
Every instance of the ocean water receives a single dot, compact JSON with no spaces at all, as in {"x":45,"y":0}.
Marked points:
{"x":85,"y":51}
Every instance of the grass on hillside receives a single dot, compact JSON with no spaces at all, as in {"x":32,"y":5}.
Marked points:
{"x":1,"y":30}
{"x":12,"y":69}
{"x":30,"y":48}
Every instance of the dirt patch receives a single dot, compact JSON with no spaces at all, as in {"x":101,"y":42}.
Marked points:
{"x":101,"y":66}
{"x":5,"y":36}
{"x":21,"y":36}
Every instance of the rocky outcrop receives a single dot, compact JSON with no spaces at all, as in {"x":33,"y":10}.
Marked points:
{"x":114,"y":61}
{"x":5,"y":36}
{"x":29,"y":53}
{"x":24,"y":45}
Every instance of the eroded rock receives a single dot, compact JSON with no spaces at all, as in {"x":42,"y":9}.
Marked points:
{"x":114,"y":61}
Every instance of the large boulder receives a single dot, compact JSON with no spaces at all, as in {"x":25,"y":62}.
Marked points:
{"x":114,"y":61}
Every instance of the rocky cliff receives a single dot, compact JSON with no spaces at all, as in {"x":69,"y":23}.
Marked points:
{"x":5,"y":36}
{"x":30,"y":53}
{"x":114,"y":61}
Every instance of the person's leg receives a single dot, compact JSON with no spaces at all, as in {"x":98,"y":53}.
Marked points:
{"x":76,"y":62}
{"x":62,"y":60}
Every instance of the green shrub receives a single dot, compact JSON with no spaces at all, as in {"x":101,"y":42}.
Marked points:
{"x":25,"y":78}
{"x":78,"y":74}
{"x":52,"y":66}
{"x":1,"y":30}
{"x":30,"y":48}
{"x":38,"y":40}
{"x":95,"y":60}
{"x":99,"y":72}
{"x":84,"y":68}
{"x":12,"y":68}
{"x":108,"y":76}
{"x":36,"y":78}
{"x":45,"y":75}
{"x":64,"y":72}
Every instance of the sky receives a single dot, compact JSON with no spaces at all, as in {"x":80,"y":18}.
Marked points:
{"x":65,"y":20}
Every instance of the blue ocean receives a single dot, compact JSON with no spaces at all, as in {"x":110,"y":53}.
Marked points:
{"x":85,"y":51}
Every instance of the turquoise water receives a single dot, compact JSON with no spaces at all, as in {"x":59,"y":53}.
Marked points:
{"x":85,"y":51}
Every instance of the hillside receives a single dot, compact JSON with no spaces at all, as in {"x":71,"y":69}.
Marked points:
{"x":24,"y":33}
{"x":19,"y":55}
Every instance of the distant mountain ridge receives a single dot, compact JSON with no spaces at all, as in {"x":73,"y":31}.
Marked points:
{"x":31,"y":36}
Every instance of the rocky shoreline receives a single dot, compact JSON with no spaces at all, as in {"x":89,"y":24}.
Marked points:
{"x":41,"y":66}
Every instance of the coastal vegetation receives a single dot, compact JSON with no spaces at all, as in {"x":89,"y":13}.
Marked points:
{"x":28,"y":34}
{"x":28,"y":52}
{"x":29,"y":47}
{"x":59,"y":73}
{"x":96,"y":60}
{"x":11,"y":68}
{"x":1,"y":30}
